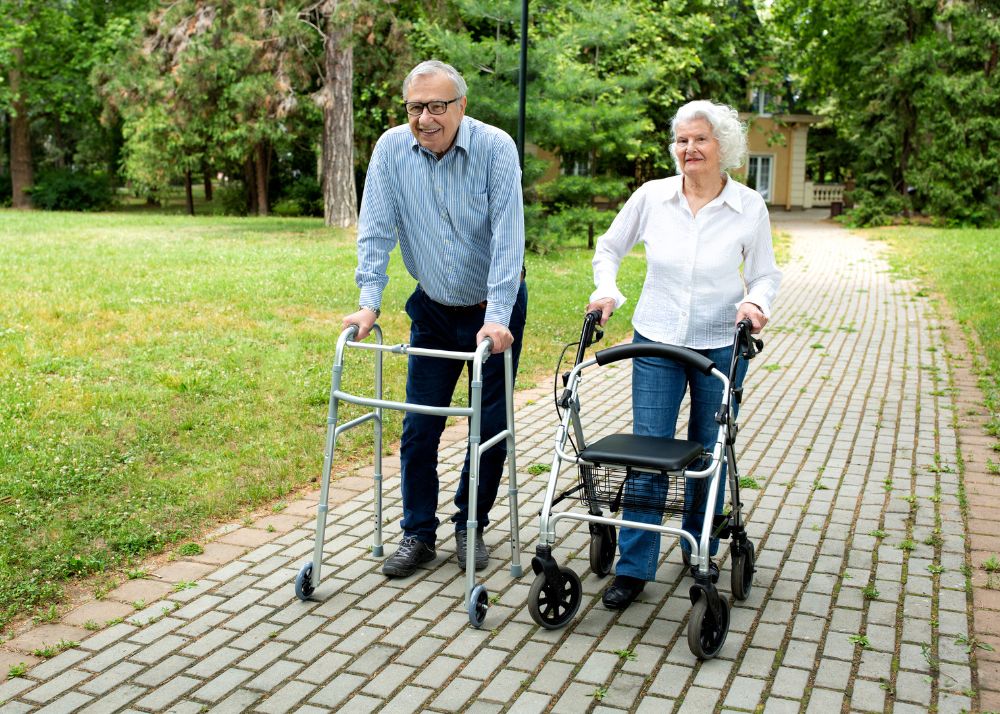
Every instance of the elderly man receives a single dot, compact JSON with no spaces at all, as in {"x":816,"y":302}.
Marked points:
{"x":448,"y":188}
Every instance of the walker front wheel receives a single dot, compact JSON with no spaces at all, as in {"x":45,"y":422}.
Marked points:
{"x":479,"y":603}
{"x":303,"y":582}
{"x":553,"y":604}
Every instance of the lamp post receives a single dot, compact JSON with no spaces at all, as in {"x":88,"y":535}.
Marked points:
{"x":522,"y":84}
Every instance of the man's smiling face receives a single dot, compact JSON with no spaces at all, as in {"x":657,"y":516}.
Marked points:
{"x":435,"y":132}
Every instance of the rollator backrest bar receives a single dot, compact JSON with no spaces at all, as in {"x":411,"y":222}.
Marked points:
{"x":652,"y":349}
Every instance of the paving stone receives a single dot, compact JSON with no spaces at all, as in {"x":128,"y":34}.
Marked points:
{"x":111,"y":678}
{"x":97,"y":611}
{"x":338,"y":689}
{"x":221,"y":685}
{"x":43,"y":636}
{"x":146,"y":591}
{"x":241,"y":701}
{"x":55,"y":686}
{"x":69,"y":702}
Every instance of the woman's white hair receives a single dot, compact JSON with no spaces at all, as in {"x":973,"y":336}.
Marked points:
{"x":436,"y":67}
{"x":727,"y":128}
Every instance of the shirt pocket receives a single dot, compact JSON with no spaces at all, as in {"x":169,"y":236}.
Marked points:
{"x":472,"y":209}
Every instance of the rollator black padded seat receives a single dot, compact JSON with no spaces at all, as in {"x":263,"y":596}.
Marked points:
{"x":650,"y":452}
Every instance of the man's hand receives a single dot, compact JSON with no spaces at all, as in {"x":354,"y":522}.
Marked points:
{"x":501,"y":336}
{"x":364,"y":319}
{"x":606,"y":306}
{"x":751,"y":311}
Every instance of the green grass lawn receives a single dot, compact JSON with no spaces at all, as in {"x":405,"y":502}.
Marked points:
{"x":159,"y":373}
{"x":964,"y":266}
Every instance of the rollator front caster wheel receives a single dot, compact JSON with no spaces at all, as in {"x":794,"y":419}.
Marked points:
{"x":742,"y":570}
{"x":552,"y":605}
{"x":603,"y":542}
{"x":303,"y":582}
{"x":706,"y":634}
{"x":479,"y":603}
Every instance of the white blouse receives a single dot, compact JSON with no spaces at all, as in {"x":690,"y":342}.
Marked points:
{"x":693,"y":284}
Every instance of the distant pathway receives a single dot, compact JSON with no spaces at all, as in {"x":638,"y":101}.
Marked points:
{"x":859,"y":602}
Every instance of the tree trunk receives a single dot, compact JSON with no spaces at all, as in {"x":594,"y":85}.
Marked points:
{"x":21,"y":175}
{"x":250,"y":184}
{"x":208,"y":184}
{"x":262,"y":155}
{"x":340,"y":203}
{"x":188,"y":193}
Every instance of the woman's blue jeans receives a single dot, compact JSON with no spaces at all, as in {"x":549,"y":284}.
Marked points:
{"x":658,"y":387}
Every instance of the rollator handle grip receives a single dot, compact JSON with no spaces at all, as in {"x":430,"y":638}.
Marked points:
{"x":749,"y":345}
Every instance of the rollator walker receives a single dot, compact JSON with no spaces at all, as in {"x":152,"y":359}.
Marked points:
{"x":645,"y":473}
{"x":476,"y":597}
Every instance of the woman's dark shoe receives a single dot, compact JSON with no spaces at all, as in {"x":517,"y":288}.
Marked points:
{"x":622,"y":591}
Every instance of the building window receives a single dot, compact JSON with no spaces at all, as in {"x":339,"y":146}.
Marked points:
{"x":761,"y":101}
{"x":760,"y":174}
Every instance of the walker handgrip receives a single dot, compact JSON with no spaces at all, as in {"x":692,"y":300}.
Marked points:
{"x":654,"y":349}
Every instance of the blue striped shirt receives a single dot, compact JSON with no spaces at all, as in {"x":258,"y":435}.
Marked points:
{"x":459,"y":220}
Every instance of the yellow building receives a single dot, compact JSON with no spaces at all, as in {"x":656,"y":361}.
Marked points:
{"x":776,"y":166}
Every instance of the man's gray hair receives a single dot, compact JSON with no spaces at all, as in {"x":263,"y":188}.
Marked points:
{"x":436,"y":67}
{"x":727,"y":128}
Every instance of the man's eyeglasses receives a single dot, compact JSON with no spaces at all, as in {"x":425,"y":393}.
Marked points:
{"x":438,"y":106}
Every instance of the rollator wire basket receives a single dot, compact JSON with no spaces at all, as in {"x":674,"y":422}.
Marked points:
{"x":648,"y":474}
{"x":621,"y":487}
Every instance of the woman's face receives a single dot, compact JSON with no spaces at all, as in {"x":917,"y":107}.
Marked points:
{"x":697,"y":150}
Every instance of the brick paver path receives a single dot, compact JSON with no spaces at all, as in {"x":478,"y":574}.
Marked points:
{"x":859,"y":602}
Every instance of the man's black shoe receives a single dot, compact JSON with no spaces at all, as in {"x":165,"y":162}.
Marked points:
{"x":408,"y":556}
{"x":622,"y":591}
{"x":482,"y":552}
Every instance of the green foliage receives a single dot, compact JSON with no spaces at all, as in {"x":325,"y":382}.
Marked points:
{"x":304,"y":197}
{"x":911,"y":88}
{"x":69,"y":190}
{"x":946,"y":259}
{"x":232,"y":196}
{"x":605,"y":80}
{"x":190,"y":549}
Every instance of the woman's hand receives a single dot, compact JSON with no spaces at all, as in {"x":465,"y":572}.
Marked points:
{"x":606,"y":306}
{"x":752,"y":313}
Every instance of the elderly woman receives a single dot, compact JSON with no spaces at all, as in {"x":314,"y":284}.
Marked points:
{"x":697,"y":228}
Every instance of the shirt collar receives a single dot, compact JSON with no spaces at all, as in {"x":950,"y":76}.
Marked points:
{"x":730,"y":193}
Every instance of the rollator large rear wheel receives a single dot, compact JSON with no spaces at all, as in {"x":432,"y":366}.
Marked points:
{"x":706,"y":634}
{"x":742,"y":570}
{"x":552,"y":605}
{"x":603,"y":542}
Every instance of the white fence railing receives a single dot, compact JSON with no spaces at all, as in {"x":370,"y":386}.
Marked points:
{"x":823,"y":194}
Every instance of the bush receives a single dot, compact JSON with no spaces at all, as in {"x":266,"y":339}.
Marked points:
{"x":232,"y":196}
{"x":569,"y":226}
{"x":304,"y":197}
{"x":873,"y":209}
{"x":6,"y":191}
{"x":69,"y":190}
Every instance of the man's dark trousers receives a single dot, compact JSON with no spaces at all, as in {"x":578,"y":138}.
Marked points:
{"x":432,"y":381}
